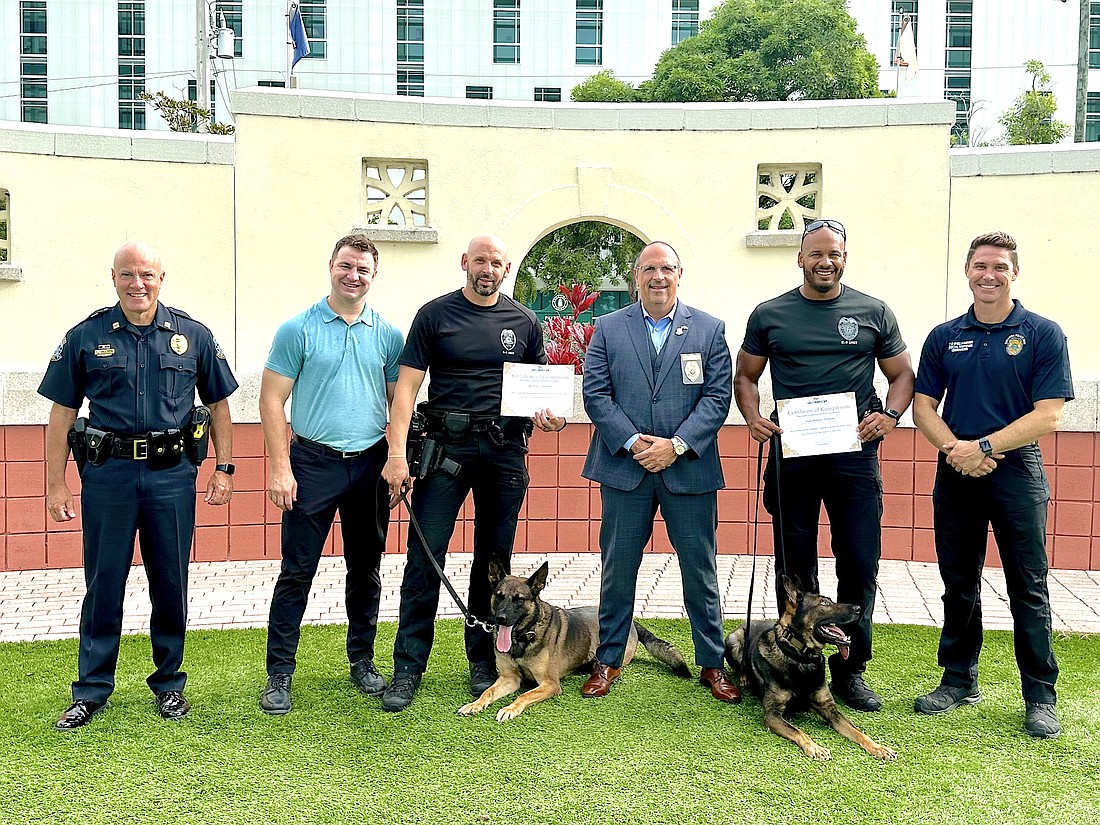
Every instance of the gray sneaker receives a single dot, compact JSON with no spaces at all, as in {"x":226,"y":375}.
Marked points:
{"x":399,"y":694}
{"x":945,"y":698}
{"x":276,"y":696}
{"x":1041,"y":720}
{"x":367,"y":678}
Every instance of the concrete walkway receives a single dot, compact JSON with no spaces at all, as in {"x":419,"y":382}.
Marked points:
{"x":45,"y":604}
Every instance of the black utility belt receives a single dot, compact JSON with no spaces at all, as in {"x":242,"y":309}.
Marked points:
{"x":325,"y":449}
{"x":160,"y":444}
{"x":459,"y":422}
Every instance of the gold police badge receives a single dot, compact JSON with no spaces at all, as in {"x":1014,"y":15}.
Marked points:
{"x":691,"y":367}
{"x":1014,"y":344}
{"x":178,"y":344}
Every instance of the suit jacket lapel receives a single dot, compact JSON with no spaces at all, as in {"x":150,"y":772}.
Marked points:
{"x":639,"y":336}
{"x":674,"y":345}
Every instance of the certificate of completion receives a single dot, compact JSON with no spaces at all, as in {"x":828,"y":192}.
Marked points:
{"x":819,"y":425}
{"x":529,"y":388}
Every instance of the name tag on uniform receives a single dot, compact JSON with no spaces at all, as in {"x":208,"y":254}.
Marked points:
{"x":691,"y":367}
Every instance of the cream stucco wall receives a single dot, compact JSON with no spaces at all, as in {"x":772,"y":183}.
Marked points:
{"x":245,"y":226}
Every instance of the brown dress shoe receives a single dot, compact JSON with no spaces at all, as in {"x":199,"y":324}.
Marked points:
{"x":600,"y":682}
{"x":721,"y":687}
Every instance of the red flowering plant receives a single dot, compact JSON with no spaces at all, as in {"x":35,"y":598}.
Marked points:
{"x":567,"y":339}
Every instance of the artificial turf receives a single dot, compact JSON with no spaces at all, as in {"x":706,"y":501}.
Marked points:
{"x":658,"y":750}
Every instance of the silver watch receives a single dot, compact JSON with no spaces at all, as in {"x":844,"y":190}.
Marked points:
{"x":678,"y":445}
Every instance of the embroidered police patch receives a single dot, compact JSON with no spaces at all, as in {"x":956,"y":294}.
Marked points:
{"x":1014,"y":344}
{"x":60,"y":349}
{"x":848,"y":328}
{"x":218,"y":349}
{"x":508,"y":340}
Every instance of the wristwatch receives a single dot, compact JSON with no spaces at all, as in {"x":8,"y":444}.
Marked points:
{"x":894,"y":414}
{"x":678,"y":445}
{"x":228,"y":469}
{"x":985,"y":446}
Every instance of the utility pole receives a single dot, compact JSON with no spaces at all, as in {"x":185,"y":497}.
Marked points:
{"x":1082,"y":73}
{"x":202,"y":55}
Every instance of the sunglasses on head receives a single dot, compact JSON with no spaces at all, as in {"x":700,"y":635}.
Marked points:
{"x":836,"y":226}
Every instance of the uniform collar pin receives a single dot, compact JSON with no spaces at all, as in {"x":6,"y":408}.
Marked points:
{"x":680,"y":330}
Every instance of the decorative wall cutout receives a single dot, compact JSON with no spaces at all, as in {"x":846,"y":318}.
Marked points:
{"x":5,"y":227}
{"x":788,"y":196}
{"x":396,"y":191}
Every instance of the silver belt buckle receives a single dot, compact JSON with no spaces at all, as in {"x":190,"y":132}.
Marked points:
{"x":141,"y":449}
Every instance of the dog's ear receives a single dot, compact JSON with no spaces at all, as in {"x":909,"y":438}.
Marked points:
{"x":791,"y":588}
{"x":537,"y":580}
{"x":496,"y":572}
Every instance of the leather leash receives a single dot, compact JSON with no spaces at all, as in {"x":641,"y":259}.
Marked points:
{"x":776,"y":453}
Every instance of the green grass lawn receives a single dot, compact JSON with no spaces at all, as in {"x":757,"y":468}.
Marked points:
{"x":658,"y":750}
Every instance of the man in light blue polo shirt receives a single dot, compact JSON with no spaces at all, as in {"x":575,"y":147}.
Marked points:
{"x":338,"y":362}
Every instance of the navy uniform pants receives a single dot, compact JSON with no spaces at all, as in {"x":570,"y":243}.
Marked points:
{"x":850,"y":487}
{"x":328,"y":483}
{"x":691,"y":521}
{"x":1013,"y":499}
{"x":120,"y":499}
{"x":497,"y":476}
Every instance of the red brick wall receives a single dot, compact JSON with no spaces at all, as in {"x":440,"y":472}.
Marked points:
{"x":562,"y":510}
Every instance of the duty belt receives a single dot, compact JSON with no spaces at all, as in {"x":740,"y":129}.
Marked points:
{"x":139,"y":447}
{"x":470,"y":423}
{"x":325,"y":449}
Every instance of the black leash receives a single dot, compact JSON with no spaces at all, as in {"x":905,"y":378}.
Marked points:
{"x":779,"y":550}
{"x":471,"y":620}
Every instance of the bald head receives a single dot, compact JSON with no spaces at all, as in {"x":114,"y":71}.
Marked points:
{"x":136,"y":251}
{"x":137,"y":275}
{"x":486,"y":265}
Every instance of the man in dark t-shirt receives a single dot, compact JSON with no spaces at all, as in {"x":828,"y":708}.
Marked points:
{"x":464,"y":337}
{"x":826,"y":338}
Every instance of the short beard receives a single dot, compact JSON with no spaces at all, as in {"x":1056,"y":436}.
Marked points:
{"x":484,"y":291}
{"x":808,"y":277}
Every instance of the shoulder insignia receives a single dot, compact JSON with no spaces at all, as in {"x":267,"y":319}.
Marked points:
{"x":218,"y":349}
{"x":57,"y":353}
{"x":99,"y":311}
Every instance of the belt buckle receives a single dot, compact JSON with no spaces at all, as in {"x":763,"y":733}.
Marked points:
{"x":351,"y":454}
{"x":141,"y":449}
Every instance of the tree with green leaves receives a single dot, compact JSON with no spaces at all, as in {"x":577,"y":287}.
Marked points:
{"x":588,"y":253}
{"x":1030,"y":118}
{"x":185,"y":115}
{"x":766,"y":50}
{"x":604,"y":87}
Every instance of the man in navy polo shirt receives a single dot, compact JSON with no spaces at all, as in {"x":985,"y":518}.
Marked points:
{"x":1006,"y":375}
{"x":339,"y":358}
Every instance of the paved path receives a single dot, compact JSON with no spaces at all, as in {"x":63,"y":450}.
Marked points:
{"x":45,"y":604}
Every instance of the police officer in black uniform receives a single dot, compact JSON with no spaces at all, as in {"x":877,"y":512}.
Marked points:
{"x":465,"y":338}
{"x":138,"y":363}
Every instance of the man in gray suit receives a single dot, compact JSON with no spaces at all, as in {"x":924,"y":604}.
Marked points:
{"x":657,"y":386}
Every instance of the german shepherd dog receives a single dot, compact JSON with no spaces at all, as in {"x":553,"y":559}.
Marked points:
{"x":540,"y":642}
{"x":786,"y":668}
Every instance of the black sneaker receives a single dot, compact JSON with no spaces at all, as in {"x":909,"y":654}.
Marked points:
{"x":482,"y":676}
{"x":853,"y":692}
{"x":367,"y":678}
{"x":172,"y":705}
{"x":399,"y":694}
{"x":945,"y":698}
{"x":276,"y":696}
{"x":1041,"y":720}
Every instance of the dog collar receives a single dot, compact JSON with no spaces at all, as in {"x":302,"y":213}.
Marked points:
{"x":793,"y":647}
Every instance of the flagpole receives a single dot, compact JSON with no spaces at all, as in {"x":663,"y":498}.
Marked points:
{"x":289,"y":53}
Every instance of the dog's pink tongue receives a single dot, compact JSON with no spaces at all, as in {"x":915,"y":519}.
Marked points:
{"x":843,"y":650}
{"x":504,"y":638}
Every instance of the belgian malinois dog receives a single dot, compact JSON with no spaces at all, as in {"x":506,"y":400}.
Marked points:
{"x":543,"y":643}
{"x":786,"y":668}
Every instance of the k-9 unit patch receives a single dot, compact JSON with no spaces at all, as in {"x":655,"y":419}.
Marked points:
{"x":1014,"y":344}
{"x":848,"y":328}
{"x":508,"y":340}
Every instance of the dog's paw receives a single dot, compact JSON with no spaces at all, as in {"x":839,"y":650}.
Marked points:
{"x":815,"y":751}
{"x":509,"y":713}
{"x":470,"y":709}
{"x":881,"y":751}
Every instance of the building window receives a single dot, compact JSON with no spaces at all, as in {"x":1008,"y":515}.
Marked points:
{"x":787,"y":196}
{"x":313,"y":20}
{"x":233,"y":14}
{"x":1094,"y":35}
{"x":192,"y":95}
{"x":479,"y":92}
{"x":131,"y":30}
{"x":396,"y":191}
{"x":32,"y":72}
{"x":506,"y":31}
{"x":956,"y":82}
{"x":1092,"y":117}
{"x":685,"y":20}
{"x":410,"y":48}
{"x":548,"y":94}
{"x":590,"y":32}
{"x":271,"y":84}
{"x":5,"y":224}
{"x":899,"y":10}
{"x":131,"y":83}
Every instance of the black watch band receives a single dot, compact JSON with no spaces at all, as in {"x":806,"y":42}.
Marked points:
{"x":985,"y":446}
{"x":228,"y":469}
{"x":894,"y":414}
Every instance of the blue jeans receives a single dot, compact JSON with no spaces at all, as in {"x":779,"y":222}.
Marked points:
{"x":497,"y":476}
{"x":1013,"y":499}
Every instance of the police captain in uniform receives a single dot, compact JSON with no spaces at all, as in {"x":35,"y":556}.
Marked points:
{"x":138,"y":363}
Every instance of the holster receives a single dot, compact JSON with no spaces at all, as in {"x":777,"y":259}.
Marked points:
{"x":197,"y":436}
{"x":78,"y":444}
{"x":97,"y":445}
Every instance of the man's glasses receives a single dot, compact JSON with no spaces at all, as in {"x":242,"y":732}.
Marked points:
{"x":836,"y":226}
{"x":667,"y":270}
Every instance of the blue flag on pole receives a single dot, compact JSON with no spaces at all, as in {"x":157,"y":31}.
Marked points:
{"x":297,"y":35}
